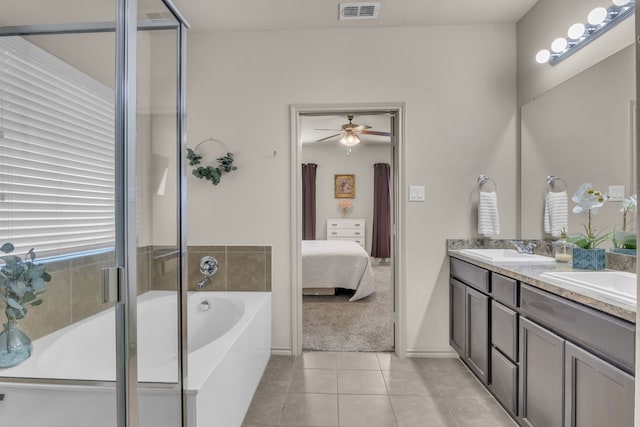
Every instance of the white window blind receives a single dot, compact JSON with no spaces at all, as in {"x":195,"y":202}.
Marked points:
{"x":57,"y":158}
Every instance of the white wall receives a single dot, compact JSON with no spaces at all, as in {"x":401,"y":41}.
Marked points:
{"x":459,"y":86}
{"x":550,"y":19}
{"x":332,"y":159}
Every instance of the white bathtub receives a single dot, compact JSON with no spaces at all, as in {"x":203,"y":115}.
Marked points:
{"x":229,"y":346}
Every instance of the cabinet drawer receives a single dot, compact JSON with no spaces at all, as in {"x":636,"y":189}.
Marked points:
{"x":345,"y":223}
{"x":504,"y":289}
{"x":504,"y":381}
{"x":476,"y":277}
{"x":358,"y":240}
{"x":609,"y":337}
{"x":504,"y":330}
{"x":345,"y":232}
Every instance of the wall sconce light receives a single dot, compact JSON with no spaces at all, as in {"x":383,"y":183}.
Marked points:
{"x":599,"y":21}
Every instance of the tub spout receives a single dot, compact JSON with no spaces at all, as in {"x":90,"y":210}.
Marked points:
{"x":203,"y":282}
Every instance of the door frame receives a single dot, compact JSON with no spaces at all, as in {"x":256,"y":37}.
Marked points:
{"x":398,"y":109}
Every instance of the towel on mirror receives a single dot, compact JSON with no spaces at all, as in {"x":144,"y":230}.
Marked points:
{"x":488,"y":220}
{"x":556,"y":213}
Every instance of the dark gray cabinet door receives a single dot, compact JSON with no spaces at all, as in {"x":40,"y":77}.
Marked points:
{"x":596,"y":393}
{"x":477,"y":344}
{"x":541,"y":376}
{"x":457,"y":324}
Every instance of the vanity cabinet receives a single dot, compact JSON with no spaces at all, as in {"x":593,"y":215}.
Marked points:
{"x":469,"y":319}
{"x":550,"y":361}
{"x":596,"y":393}
{"x":477,"y":327}
{"x":541,"y":376}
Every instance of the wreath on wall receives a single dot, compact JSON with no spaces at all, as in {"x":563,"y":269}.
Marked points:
{"x":210,"y":173}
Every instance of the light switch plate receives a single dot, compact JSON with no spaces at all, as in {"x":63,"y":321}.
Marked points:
{"x":616,"y":193}
{"x":416,"y":193}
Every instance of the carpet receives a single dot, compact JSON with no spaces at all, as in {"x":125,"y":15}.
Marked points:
{"x":332,"y":323}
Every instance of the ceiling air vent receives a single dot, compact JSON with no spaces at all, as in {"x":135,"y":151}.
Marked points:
{"x":157,"y":15}
{"x":359,"y":10}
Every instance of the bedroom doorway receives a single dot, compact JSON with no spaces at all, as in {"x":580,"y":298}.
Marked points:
{"x":346,"y":164}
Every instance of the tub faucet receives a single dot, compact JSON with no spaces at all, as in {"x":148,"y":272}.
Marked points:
{"x":203,"y":282}
{"x":208,"y":267}
{"x":522,"y":247}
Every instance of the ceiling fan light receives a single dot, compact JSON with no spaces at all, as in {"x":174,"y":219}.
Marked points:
{"x":350,"y":139}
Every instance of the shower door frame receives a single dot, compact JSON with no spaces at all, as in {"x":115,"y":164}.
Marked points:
{"x":126,"y":28}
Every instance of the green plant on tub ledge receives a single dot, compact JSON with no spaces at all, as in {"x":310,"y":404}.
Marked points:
{"x":210,"y":173}
{"x":586,"y":253}
{"x":21,"y":284}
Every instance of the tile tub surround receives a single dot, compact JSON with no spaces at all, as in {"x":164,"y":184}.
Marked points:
{"x":531,"y":274}
{"x":241,"y":268}
{"x":371,"y":390}
{"x":75,"y":292}
{"x":614,"y":261}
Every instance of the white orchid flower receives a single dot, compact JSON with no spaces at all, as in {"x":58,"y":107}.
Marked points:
{"x":588,"y":200}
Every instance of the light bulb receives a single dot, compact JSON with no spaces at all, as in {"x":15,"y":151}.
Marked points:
{"x":576,"y":31}
{"x":621,"y":3}
{"x":559,"y":44}
{"x":597,"y":16}
{"x":350,"y":139}
{"x":543,"y":56}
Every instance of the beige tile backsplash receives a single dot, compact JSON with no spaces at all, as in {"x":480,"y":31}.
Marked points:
{"x":75,"y":290}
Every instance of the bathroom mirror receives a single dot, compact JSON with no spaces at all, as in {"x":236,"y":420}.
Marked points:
{"x":582,"y":131}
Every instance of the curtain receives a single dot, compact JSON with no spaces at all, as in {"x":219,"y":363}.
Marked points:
{"x":309,"y":201}
{"x":381,"y":239}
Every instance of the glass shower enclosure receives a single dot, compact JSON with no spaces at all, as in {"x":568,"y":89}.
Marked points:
{"x":92,"y":177}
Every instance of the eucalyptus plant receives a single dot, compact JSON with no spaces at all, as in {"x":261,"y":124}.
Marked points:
{"x":21,"y":282}
{"x":210,"y":173}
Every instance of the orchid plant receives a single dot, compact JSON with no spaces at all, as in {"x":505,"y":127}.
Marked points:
{"x":588,"y":201}
{"x":625,"y":238}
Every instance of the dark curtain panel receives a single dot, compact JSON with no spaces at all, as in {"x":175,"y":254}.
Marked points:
{"x":381,"y":240}
{"x":309,"y":201}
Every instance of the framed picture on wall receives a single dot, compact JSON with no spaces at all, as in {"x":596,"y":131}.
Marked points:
{"x":345,"y":186}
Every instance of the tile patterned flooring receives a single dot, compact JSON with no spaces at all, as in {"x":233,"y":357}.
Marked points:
{"x":325,"y":389}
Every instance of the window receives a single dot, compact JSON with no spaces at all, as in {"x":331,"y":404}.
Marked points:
{"x":57,"y":155}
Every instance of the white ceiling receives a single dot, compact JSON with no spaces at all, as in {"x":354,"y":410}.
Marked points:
{"x":258,"y":15}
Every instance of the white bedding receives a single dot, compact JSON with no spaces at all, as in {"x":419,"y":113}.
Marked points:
{"x":337,"y":264}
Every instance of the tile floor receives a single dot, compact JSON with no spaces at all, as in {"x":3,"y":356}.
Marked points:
{"x":371,"y":390}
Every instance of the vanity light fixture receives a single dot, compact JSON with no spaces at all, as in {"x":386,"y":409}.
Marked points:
{"x":599,"y":21}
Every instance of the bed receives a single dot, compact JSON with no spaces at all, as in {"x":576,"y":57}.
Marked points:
{"x":330,"y":264}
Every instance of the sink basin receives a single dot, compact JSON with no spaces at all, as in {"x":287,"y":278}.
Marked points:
{"x":617,"y":284}
{"x":506,"y":255}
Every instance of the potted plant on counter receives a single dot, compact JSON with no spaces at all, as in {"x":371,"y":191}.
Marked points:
{"x":624,"y":241}
{"x":21,"y":283}
{"x":586,"y":253}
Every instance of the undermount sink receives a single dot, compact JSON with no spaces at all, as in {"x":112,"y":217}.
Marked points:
{"x":506,"y":255}
{"x":617,"y":284}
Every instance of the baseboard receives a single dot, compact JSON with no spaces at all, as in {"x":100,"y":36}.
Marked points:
{"x":444,"y":354}
{"x":281,"y":351}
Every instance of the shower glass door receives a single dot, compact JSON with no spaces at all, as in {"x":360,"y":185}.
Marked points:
{"x":90,"y":178}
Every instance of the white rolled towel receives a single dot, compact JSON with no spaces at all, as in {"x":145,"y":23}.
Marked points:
{"x":556,"y":213}
{"x":488,"y":219}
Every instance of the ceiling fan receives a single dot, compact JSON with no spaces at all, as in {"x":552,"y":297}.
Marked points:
{"x":350,"y":131}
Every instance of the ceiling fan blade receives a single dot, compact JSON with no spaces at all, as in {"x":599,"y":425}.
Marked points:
{"x":329,"y":137}
{"x":373,"y":132}
{"x":359,"y":128}
{"x":334,"y":130}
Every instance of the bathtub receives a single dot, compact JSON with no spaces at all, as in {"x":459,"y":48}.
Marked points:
{"x":229,"y":346}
